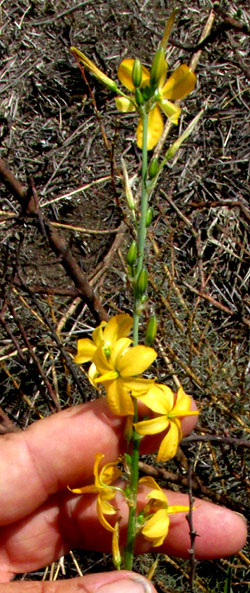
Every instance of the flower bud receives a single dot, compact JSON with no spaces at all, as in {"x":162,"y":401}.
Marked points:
{"x":137,"y":73}
{"x":132,"y":254}
{"x":142,"y":282}
{"x":158,"y":68}
{"x":153,"y":168}
{"x":149,"y":216}
{"x":138,"y":97}
{"x":176,"y":145}
{"x":151,"y":331}
{"x":128,"y":191}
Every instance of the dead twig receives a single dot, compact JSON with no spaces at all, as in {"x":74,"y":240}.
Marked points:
{"x":29,"y":202}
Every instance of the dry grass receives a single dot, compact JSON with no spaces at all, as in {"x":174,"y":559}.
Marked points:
{"x":198,"y":248}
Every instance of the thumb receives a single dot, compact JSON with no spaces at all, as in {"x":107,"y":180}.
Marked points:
{"x":121,"y":581}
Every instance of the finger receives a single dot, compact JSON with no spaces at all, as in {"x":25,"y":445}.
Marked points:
{"x":72,"y":522}
{"x":57,"y":451}
{"x":109,"y":582}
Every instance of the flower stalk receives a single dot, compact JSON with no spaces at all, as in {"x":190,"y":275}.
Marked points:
{"x":131,"y":534}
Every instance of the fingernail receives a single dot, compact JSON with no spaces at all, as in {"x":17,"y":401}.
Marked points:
{"x":241,"y":516}
{"x":137,"y":584}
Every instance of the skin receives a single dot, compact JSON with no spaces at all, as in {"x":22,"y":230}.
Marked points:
{"x":40,"y":520}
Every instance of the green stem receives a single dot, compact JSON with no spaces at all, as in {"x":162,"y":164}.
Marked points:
{"x":131,"y":535}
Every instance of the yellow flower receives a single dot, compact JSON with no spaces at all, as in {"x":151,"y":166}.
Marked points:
{"x":178,"y":86}
{"x":102,"y":487}
{"x":80,"y":57}
{"x":156,"y":526}
{"x":119,"y":373}
{"x":106,"y":334}
{"x":161,"y":400}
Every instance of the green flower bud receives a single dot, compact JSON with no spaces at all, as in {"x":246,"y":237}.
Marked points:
{"x":137,"y":73}
{"x":151,"y":331}
{"x":138,"y":97}
{"x":158,"y":67}
{"x":132,"y":254}
{"x":142,"y":282}
{"x":153,"y":168}
{"x":149,"y":216}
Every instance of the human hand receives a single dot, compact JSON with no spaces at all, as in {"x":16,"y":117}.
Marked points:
{"x":40,"y":520}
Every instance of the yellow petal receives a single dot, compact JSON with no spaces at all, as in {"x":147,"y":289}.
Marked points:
{"x":158,"y":495}
{"x":92,"y":489}
{"x":159,"y":398}
{"x":101,"y":517}
{"x":136,"y":360}
{"x":156,"y":528}
{"x":170,"y":442}
{"x":97,"y":334}
{"x":124,"y":104}
{"x":138,"y":386}
{"x":85,"y":351}
{"x":102,"y":363}
{"x":179,"y":84}
{"x":109,"y":473}
{"x":98,"y":459}
{"x":118,"y":399}
{"x":118,"y":327}
{"x":171,"y":110}
{"x":109,"y":376}
{"x":92,"y":375}
{"x":177,"y":509}
{"x":182,"y":404}
{"x":120,"y":347}
{"x":155,"y":129}
{"x":152,"y":426}
{"x":124,"y":74}
{"x":149,"y":481}
{"x":107,"y":507}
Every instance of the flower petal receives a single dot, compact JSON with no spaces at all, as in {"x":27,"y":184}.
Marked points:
{"x":102,"y":363}
{"x":124,"y":74}
{"x":85,"y":351}
{"x":156,"y":528}
{"x":120,"y":347}
{"x":152,"y":426}
{"x":155,"y":129}
{"x":92,"y":375}
{"x":109,"y":473}
{"x":98,"y":459}
{"x":170,"y":442}
{"x":159,"y":398}
{"x":118,"y":327}
{"x":101,"y":517}
{"x":158,"y":495}
{"x":124,"y":104}
{"x":150,"y":482}
{"x":136,"y":360}
{"x":171,"y":110}
{"x":118,"y":398}
{"x":182,"y":404}
{"x":179,"y":84}
{"x":97,"y":334}
{"x":178,"y":509}
{"x":92,"y":489}
{"x":138,"y":386}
